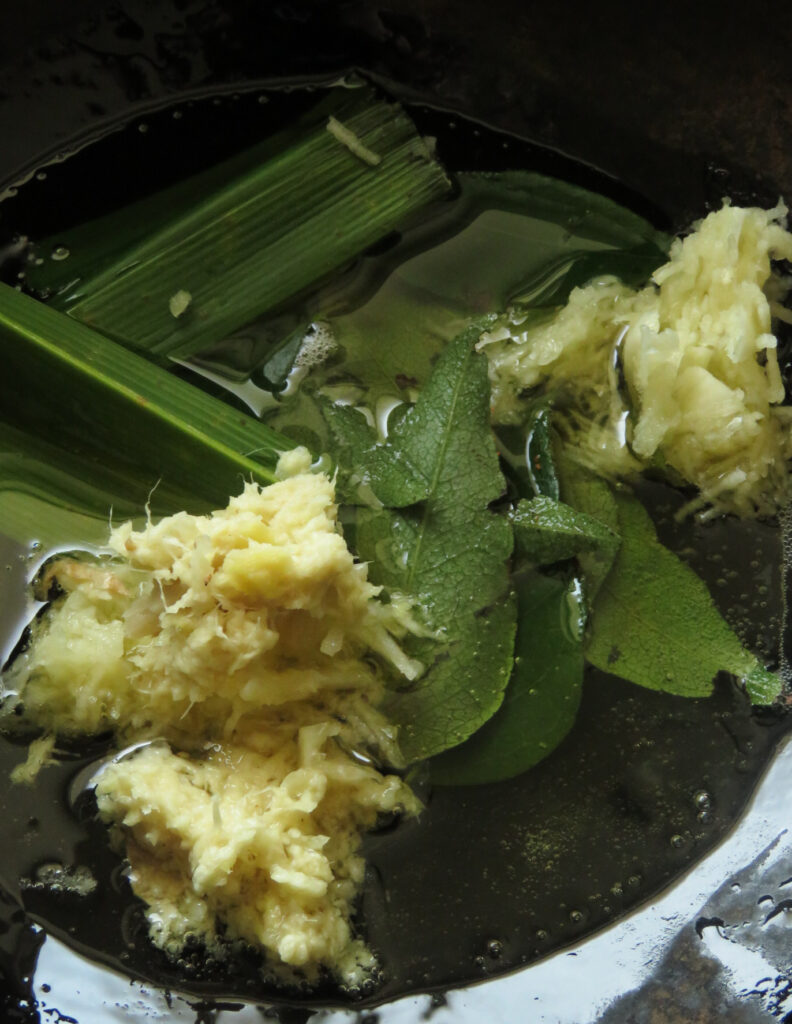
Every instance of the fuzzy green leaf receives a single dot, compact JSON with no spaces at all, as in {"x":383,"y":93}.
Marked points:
{"x":543,"y":695}
{"x":369,"y":472}
{"x":655,"y":624}
{"x":547,"y":531}
{"x":449,"y":554}
{"x":593,"y":497}
{"x":539,"y":456}
{"x":464,"y":686}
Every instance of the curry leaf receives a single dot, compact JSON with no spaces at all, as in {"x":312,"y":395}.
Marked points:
{"x":449,"y":554}
{"x":655,"y":624}
{"x":543,"y":695}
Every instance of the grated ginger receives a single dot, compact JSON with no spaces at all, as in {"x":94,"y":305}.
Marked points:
{"x":234,"y":650}
{"x":702,"y":389}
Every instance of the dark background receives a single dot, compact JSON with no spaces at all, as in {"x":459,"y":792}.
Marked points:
{"x":682,"y":103}
{"x":679,"y":101}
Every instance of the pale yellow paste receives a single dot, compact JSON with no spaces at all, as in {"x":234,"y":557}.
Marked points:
{"x":239,"y":654}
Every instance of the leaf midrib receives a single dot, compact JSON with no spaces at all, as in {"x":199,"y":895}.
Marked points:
{"x":459,"y":383}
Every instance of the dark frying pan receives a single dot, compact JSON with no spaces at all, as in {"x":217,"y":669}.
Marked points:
{"x":670,"y":110}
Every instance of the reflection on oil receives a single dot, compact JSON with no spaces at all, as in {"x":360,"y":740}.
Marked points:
{"x":714,"y":947}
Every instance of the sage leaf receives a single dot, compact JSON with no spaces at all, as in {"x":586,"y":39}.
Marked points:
{"x":593,"y":497}
{"x":527,"y":457}
{"x":464,"y":686}
{"x":449,"y":554}
{"x":654,"y":622}
{"x":366,"y":467}
{"x":539,"y":458}
{"x":543,"y":695}
{"x":548,"y":531}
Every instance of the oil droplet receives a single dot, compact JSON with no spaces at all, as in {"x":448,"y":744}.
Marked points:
{"x":143,"y":127}
{"x":542,"y":935}
{"x":677,"y":841}
{"x":60,"y":252}
{"x":495,"y":948}
{"x":575,"y":916}
{"x":702,"y":800}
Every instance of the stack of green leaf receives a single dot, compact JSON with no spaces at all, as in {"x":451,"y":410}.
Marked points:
{"x":517,"y":595}
{"x":86,"y":417}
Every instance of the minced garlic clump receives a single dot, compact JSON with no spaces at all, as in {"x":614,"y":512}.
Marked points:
{"x":701,"y":393}
{"x":235,"y":648}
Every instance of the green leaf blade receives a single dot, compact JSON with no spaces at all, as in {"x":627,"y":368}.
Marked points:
{"x":654,"y":622}
{"x":449,"y":553}
{"x":368,"y":472}
{"x":270,"y":234}
{"x":548,"y":531}
{"x":541,"y":701}
{"x":593,"y":497}
{"x":469,"y":677}
{"x":67,"y":385}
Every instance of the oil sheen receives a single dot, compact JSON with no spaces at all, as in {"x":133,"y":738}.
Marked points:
{"x":489,"y":878}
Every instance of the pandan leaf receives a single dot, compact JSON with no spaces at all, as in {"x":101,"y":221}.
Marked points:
{"x":264,"y":236}
{"x":70,"y":387}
